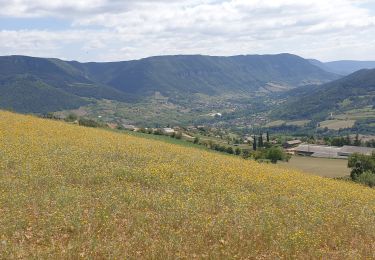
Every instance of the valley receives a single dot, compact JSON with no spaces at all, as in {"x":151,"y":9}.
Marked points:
{"x":281,"y":93}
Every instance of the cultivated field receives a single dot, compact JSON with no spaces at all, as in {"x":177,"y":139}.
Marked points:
{"x":275,"y":123}
{"x":298,"y":122}
{"x":288,"y":123}
{"x":319,"y":166}
{"x":355,"y":114}
{"x":72,"y":192}
{"x":337,"y":124}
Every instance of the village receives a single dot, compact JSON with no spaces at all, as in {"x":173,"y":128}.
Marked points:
{"x":294,"y":147}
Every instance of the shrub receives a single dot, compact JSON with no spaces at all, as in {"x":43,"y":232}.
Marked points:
{"x":142,"y":130}
{"x":120,"y":127}
{"x":71,"y":117}
{"x":360,"y":163}
{"x":275,"y":154}
{"x":245,"y":154}
{"x":49,"y":115}
{"x":88,"y":122}
{"x":158,"y":132}
{"x":367,"y":178}
{"x":229,"y":150}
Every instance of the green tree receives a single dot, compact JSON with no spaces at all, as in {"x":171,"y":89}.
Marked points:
{"x":360,"y":163}
{"x":275,"y":154}
{"x":367,"y":178}
{"x":245,"y":154}
{"x":88,"y":122}
{"x":230,"y":150}
{"x":348,"y":141}
{"x":357,"y":142}
{"x":260,"y":142}
{"x":254,"y":143}
{"x":71,"y":117}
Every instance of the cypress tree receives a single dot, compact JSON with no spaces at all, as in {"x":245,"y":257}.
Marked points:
{"x":254,"y":143}
{"x":260,"y":142}
{"x":348,"y":141}
{"x":357,"y":142}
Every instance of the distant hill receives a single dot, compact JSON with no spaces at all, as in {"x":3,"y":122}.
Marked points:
{"x":29,"y":94}
{"x":29,"y":84}
{"x":205,"y":74}
{"x":323,"y":66}
{"x":55,"y":84}
{"x":343,"y":67}
{"x":354,"y":91}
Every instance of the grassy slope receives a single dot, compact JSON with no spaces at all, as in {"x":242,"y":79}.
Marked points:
{"x":68,"y":191}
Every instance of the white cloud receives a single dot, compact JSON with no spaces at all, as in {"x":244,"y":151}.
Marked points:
{"x":134,"y":29}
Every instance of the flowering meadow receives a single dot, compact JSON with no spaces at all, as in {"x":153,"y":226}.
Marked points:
{"x":74,"y":192}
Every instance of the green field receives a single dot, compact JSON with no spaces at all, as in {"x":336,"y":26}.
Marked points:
{"x":298,"y":122}
{"x":288,"y":123}
{"x":275,"y":123}
{"x":354,"y":114}
{"x":337,"y":124}
{"x":319,"y":166}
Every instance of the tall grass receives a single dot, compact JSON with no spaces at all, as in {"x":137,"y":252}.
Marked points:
{"x":69,"y":192}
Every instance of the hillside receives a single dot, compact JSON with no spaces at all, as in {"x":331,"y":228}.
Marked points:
{"x":40,"y":85}
{"x":70,"y":192}
{"x":351,"y":92}
{"x":26,"y":93}
{"x":176,"y":77}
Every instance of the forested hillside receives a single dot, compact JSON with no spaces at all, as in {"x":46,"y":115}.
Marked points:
{"x":58,"y":84}
{"x":354,"y":91}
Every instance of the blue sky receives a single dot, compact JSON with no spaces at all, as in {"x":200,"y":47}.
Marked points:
{"x":110,"y":30}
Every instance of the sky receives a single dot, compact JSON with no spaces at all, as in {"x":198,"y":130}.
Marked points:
{"x":113,"y":30}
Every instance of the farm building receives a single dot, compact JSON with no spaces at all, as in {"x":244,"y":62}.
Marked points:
{"x":349,"y":150}
{"x":168,"y":131}
{"x":292,"y":143}
{"x":325,"y":151}
{"x":322,"y":151}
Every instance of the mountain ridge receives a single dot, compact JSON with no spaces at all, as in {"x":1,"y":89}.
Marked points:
{"x":175,"y":76}
{"x":343,"y":67}
{"x":357,"y":89}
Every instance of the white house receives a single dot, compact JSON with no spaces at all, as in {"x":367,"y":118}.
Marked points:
{"x":168,"y":131}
